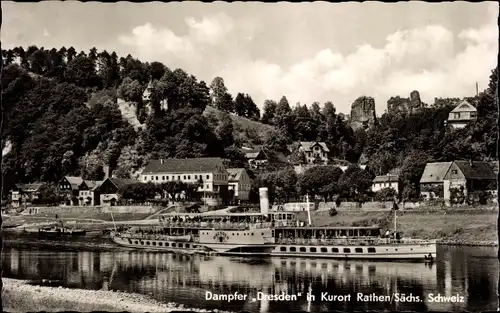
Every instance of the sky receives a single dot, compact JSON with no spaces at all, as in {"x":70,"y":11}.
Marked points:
{"x":306,"y":51}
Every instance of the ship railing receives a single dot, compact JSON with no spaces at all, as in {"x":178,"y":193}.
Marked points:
{"x":151,"y":236}
{"x":217,"y":225}
{"x":351,"y":241}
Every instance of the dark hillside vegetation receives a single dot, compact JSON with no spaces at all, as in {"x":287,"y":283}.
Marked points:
{"x":61,"y":117}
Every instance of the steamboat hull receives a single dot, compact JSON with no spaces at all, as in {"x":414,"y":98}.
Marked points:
{"x":55,"y":235}
{"x":210,"y":242}
{"x":389,"y":252}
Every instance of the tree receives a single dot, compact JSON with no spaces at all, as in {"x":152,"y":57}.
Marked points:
{"x":221,"y":99}
{"x":130,"y":90}
{"x":386,"y":194}
{"x":269,"y":112}
{"x":157,"y":70}
{"x":315,"y":179}
{"x":225,"y":130}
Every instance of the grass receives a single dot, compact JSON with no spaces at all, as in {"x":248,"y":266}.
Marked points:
{"x":245,"y":129}
{"x":460,"y":227}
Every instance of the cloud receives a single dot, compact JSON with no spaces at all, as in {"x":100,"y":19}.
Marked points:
{"x":430,"y":59}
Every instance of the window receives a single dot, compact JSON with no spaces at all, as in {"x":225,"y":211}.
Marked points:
{"x":454,"y":172}
{"x":472,"y":114}
{"x":195,"y":176}
{"x":145,"y":178}
{"x":456,"y":115}
{"x":184,"y":177}
{"x":358,"y":250}
{"x":335,"y":250}
{"x":152,"y":177}
{"x":179,"y":177}
{"x":187,"y":245}
{"x":163,"y":178}
{"x":168,"y":177}
{"x":324,"y":250}
{"x":181,"y":245}
{"x":347,"y":250}
{"x":208,"y":186}
{"x":208,"y":176}
{"x":312,"y":250}
{"x":156,"y":177}
{"x":154,"y":243}
{"x":283,"y":249}
{"x":167,"y":244}
{"x":173,"y":244}
{"x":160,"y":244}
{"x":136,"y":242}
{"x":148,"y":243}
{"x":293,"y":249}
{"x":189,"y":176}
{"x":302,"y":249}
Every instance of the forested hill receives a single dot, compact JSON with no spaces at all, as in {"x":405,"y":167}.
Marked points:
{"x":61,"y":117}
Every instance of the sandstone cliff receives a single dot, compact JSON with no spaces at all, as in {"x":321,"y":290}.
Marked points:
{"x":363,"y":113}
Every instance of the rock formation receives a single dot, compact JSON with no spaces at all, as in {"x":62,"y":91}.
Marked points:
{"x":398,"y":105}
{"x":405,"y":105}
{"x":363,"y":113}
{"x":415,"y":102}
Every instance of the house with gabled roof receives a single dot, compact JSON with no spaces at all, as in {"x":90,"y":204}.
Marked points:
{"x":462,"y":115}
{"x":315,"y":152}
{"x":109,"y":190}
{"x":439,"y":178}
{"x":25,"y":194}
{"x":208,"y":173}
{"x":239,"y":184}
{"x":69,"y":189}
{"x":471,"y":176}
{"x":86,"y":193}
{"x":432,"y":180}
{"x":255,"y":157}
{"x":385,"y":181}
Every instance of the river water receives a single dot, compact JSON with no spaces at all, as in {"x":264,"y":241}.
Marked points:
{"x":469,"y":272}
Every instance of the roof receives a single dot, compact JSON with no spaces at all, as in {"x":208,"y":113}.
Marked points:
{"x":235,"y":173}
{"x":435,"y":172}
{"x":464,"y":106}
{"x":74,"y":181}
{"x":29,"y":187}
{"x":191,"y":165}
{"x":476,"y":170}
{"x":386,"y":178}
{"x":307,"y":145}
{"x":251,"y":155}
{"x":93,"y":183}
{"x":120,"y":182}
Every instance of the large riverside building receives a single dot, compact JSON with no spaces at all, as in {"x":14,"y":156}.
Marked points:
{"x":208,"y":173}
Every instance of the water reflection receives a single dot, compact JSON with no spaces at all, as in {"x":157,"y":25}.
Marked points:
{"x":468,"y":272}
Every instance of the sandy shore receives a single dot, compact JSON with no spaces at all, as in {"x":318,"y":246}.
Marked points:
{"x":19,"y":296}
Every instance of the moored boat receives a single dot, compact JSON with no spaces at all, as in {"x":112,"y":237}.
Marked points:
{"x":200,"y":234}
{"x":56,"y":232}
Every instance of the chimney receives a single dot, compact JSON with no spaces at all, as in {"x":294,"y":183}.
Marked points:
{"x":107,"y":171}
{"x":264,"y":201}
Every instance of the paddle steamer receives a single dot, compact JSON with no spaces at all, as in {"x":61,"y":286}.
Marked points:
{"x":200,"y":233}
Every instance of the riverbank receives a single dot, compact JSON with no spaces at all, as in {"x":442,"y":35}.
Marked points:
{"x":20,"y":296}
{"x":470,"y":227}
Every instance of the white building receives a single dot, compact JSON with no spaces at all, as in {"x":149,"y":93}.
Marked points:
{"x":460,"y":116}
{"x":385,"y":181}
{"x":240,"y":183}
{"x":209,"y":173}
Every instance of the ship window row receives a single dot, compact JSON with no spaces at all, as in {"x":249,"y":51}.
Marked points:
{"x":237,"y":234}
{"x":161,"y":244}
{"x":326,"y":250}
{"x":184,"y":177}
